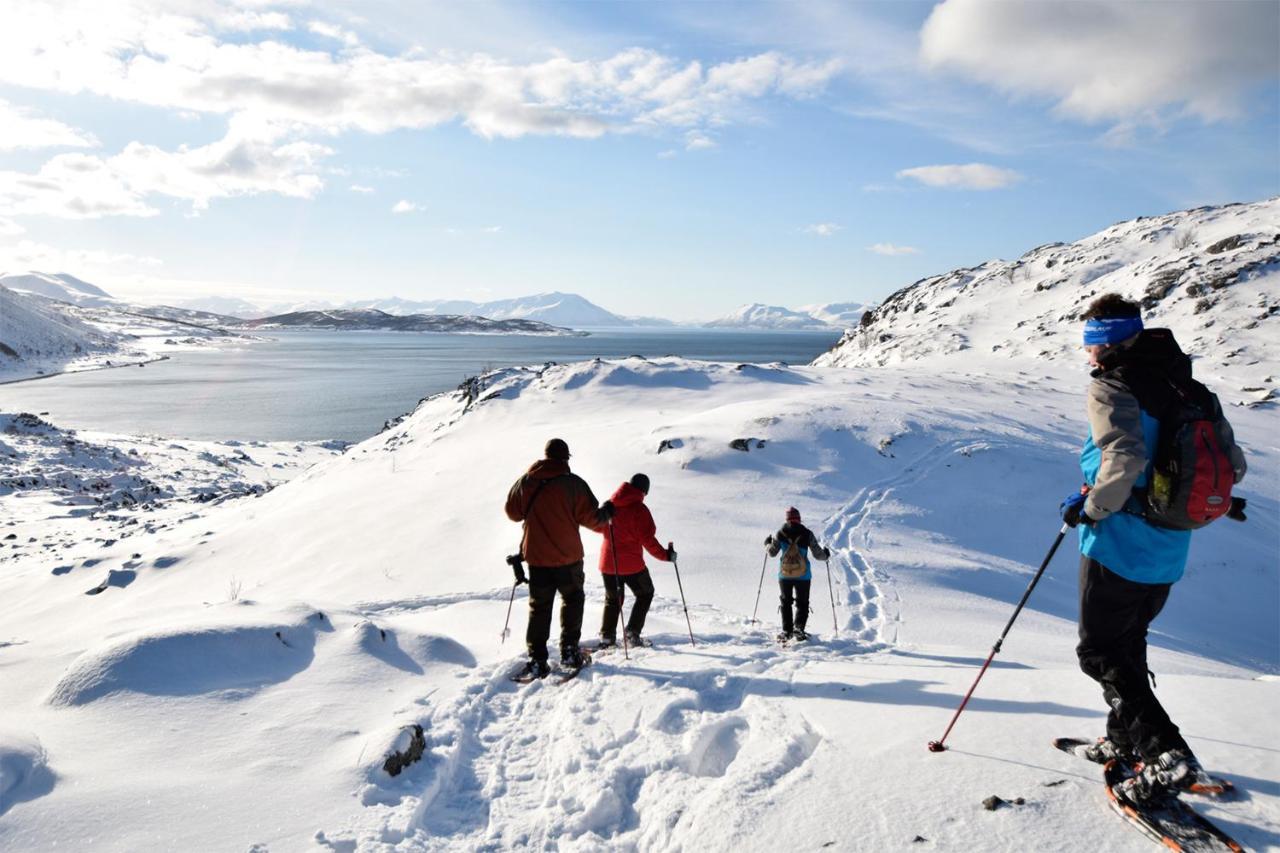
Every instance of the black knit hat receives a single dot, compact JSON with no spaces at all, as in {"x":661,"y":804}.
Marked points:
{"x":557,"y":449}
{"x":641,"y":482}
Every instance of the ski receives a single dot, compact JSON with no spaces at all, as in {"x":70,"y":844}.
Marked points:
{"x":1167,"y":820}
{"x":1207,"y":785}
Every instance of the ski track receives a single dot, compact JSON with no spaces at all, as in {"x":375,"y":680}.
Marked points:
{"x":869,"y":597}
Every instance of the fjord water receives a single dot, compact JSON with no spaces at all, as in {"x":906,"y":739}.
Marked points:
{"x":345,"y":385}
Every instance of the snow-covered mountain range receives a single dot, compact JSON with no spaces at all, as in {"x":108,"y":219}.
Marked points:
{"x":1212,"y":274}
{"x":829,"y":315}
{"x":357,"y":319}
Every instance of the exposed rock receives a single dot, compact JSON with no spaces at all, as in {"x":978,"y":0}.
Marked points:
{"x":398,"y":760}
{"x":1226,"y":245}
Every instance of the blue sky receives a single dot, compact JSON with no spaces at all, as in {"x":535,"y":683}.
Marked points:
{"x":664,"y":159}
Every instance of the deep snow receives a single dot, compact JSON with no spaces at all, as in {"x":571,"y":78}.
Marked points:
{"x":250,"y":681}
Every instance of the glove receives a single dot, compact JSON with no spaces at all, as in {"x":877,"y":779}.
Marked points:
{"x":607,"y":511}
{"x":1236,"y":513}
{"x":671,"y":552}
{"x":516,"y":562}
{"x":1072,"y":509}
{"x":768,"y":540}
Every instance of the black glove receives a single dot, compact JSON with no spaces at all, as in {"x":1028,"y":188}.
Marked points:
{"x":671,"y":552}
{"x":1072,"y":510}
{"x":607,"y":511}
{"x":768,"y":540}
{"x":516,"y":562}
{"x":1236,"y":513}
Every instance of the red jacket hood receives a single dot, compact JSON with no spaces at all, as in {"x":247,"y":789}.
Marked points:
{"x":626,"y":495}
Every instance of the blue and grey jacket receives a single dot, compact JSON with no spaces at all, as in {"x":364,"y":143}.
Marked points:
{"x":805,"y":541}
{"x":1129,"y":391}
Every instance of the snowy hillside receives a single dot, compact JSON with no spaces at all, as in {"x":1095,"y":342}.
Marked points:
{"x":42,"y":335}
{"x":844,"y":314}
{"x":270,"y":654}
{"x":1211,"y":274}
{"x":364,"y":319}
{"x":36,"y":334}
{"x":60,"y":286}
{"x":557,"y":309}
{"x":759,"y":316}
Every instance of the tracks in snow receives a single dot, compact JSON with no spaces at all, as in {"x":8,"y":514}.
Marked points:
{"x":864,"y":592}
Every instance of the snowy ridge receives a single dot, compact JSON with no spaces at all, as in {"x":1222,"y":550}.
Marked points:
{"x":759,"y":316}
{"x":39,"y":332}
{"x":554,"y":308}
{"x":60,"y":286}
{"x":1211,"y":274}
{"x":366,"y":596}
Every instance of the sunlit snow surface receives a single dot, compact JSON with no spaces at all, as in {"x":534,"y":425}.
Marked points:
{"x":246,"y":685}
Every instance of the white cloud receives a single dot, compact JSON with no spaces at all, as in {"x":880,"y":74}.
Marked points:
{"x":969,"y":176}
{"x":9,"y":228}
{"x":247,"y":20}
{"x":668,"y":154}
{"x":822,"y":229}
{"x":696,"y":140}
{"x":24,"y":128}
{"x":405,"y":206}
{"x":1111,"y":60}
{"x":892,"y":250}
{"x":251,"y":159}
{"x":139,"y":53}
{"x":492,"y":229}
{"x":27,"y":254}
{"x":360,"y":188}
{"x":332,"y":31}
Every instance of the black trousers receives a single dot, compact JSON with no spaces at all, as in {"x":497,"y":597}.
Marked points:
{"x":641,"y":586}
{"x":799,"y":592}
{"x":1114,"y":615}
{"x":544,"y":583}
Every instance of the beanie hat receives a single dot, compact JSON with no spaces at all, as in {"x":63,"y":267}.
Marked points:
{"x":793,"y":514}
{"x":557,"y":449}
{"x":641,"y":482}
{"x":1111,"y":330}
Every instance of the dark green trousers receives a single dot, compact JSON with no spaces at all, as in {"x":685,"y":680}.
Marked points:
{"x":544,"y":583}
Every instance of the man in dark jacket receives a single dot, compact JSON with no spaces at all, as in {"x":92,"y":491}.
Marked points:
{"x":795,"y":542}
{"x":633,"y":533}
{"x":1127,"y":563}
{"x":553,"y":503}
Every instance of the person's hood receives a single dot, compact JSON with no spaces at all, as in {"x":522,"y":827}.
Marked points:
{"x":1152,"y":349}
{"x":545,"y":469}
{"x":627,"y":494}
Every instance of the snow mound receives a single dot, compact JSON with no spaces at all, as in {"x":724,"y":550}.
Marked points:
{"x":24,"y":770}
{"x":1211,"y":274}
{"x":188,"y":661}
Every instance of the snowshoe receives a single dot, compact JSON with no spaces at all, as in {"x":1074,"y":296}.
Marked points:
{"x":1157,"y":813}
{"x":799,"y":636}
{"x":636,"y":641}
{"x":533,"y":670}
{"x":783,"y":637}
{"x":572,"y":663}
{"x":1102,"y":750}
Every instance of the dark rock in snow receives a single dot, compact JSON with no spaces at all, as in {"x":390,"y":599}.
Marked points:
{"x":993,"y":802}
{"x":398,"y":761}
{"x":1226,"y":244}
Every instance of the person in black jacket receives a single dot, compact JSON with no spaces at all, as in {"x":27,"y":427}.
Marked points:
{"x":794,"y":542}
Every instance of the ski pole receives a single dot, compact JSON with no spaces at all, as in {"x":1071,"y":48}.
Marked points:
{"x":830,"y":589}
{"x":506,"y":626}
{"x":939,"y":744}
{"x":759,"y":588}
{"x":683,"y":603}
{"x":617,"y":586}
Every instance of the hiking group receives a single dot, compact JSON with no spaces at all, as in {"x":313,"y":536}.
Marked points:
{"x":1158,"y":461}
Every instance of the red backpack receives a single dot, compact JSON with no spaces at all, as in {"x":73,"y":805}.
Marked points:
{"x":1191,"y":474}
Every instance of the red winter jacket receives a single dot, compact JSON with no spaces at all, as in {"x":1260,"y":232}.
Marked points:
{"x":633,"y":529}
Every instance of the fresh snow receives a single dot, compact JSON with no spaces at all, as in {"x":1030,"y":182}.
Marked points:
{"x":235,"y":672}
{"x":269,"y":653}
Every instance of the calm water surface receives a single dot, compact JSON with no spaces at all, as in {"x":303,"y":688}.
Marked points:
{"x":320,"y":385}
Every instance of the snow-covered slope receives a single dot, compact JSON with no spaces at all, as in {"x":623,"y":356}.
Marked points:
{"x":60,"y":286}
{"x":1212,"y":274}
{"x":37,"y":335}
{"x":759,"y":316}
{"x":845,"y":314}
{"x":555,"y":308}
{"x":268,"y":654}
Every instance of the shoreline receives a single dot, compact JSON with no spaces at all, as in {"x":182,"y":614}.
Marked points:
{"x":40,"y":376}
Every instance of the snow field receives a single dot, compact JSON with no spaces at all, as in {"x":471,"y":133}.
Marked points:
{"x":382,"y":573}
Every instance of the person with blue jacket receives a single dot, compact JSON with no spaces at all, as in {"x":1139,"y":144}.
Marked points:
{"x":1128,"y":564}
{"x":794,"y":542}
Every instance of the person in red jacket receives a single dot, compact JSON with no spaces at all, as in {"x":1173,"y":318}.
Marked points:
{"x":632,"y":534}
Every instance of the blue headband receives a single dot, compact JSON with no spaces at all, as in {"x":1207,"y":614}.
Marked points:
{"x":1111,"y":330}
